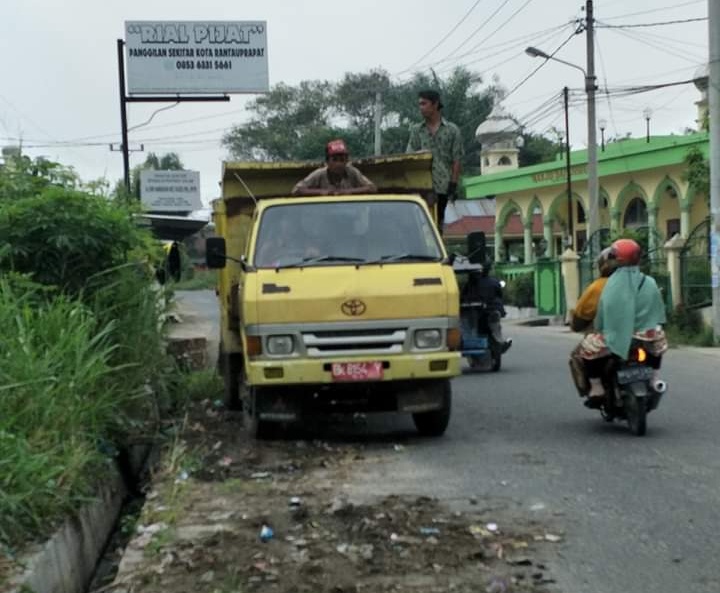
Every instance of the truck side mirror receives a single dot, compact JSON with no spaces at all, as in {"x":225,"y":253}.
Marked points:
{"x":215,"y":253}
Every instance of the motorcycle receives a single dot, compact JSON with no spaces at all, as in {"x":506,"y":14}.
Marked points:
{"x":630,"y":393}
{"x":478,"y":346}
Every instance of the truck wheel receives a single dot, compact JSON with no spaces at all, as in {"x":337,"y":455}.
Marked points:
{"x":232,"y":377}
{"x":434,"y":423}
{"x":257,"y":429}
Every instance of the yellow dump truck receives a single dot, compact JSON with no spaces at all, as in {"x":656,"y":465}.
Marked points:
{"x":334,"y":303}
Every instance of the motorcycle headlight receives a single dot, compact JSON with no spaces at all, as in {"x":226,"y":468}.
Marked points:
{"x":279,"y":345}
{"x":428,"y":338}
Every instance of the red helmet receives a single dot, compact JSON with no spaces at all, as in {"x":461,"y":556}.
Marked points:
{"x":626,"y":252}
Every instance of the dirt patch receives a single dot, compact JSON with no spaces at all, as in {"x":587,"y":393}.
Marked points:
{"x":228,"y":514}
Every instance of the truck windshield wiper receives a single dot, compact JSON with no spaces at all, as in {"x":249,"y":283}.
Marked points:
{"x":308,"y":261}
{"x":403,"y":257}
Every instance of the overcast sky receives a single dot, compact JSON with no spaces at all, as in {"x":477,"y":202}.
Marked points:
{"x":58,"y":65}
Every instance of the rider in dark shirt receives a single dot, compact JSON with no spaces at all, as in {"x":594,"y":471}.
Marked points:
{"x":481,"y":287}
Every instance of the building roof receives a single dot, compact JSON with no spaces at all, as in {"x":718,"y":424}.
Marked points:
{"x":471,"y":224}
{"x":618,"y":157}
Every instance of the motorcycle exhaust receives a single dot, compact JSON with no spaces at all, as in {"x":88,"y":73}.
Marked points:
{"x":659,"y":386}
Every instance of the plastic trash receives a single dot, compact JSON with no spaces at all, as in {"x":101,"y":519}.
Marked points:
{"x":266,"y":533}
{"x":429,"y":531}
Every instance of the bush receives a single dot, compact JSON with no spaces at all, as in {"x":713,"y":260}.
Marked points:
{"x":82,"y":355}
{"x":61,"y":237}
{"x":686,"y":326}
{"x":520,"y":290}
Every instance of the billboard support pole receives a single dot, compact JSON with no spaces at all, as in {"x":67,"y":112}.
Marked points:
{"x":124,"y":100}
{"x":123,"y":115}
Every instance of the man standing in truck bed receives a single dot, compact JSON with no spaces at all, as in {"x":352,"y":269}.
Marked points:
{"x":336,"y":178}
{"x":444,"y":140}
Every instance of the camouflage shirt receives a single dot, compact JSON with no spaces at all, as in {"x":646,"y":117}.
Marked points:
{"x":446,"y":146}
{"x":319,"y":179}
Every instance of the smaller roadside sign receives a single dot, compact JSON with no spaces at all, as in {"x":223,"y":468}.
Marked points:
{"x":170,"y":191}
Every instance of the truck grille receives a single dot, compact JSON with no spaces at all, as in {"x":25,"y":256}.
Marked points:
{"x":356,"y":341}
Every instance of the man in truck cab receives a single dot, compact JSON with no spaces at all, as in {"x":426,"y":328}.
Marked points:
{"x":338,"y":177}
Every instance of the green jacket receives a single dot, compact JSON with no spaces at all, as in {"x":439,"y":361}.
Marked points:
{"x":630,"y":302}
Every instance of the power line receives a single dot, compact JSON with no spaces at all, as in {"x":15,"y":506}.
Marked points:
{"x":659,"y":9}
{"x":529,"y":76}
{"x":540,"y":39}
{"x":439,"y":43}
{"x":505,"y":22}
{"x":508,"y":45}
{"x":654,"y":45}
{"x":658,"y":24}
{"x":476,"y":31}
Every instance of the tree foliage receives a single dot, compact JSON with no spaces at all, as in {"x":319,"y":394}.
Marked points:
{"x":55,"y":231}
{"x":697,"y":173}
{"x":295,"y":122}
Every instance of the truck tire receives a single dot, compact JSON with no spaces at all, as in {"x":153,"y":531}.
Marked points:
{"x":232,"y":365}
{"x":257,"y":429}
{"x":434,"y":423}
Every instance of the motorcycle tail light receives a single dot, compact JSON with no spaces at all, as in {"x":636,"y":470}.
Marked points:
{"x":639,"y":354}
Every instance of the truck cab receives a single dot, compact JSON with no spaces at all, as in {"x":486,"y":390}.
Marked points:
{"x":335,"y":303}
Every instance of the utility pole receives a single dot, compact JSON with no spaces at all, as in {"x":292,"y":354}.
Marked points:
{"x":378,"y":122}
{"x":592,"y":165}
{"x":714,"y":116}
{"x":571,"y":215}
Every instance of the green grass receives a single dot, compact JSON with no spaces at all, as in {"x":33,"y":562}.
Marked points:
{"x":200,"y":280}
{"x":77,"y":377}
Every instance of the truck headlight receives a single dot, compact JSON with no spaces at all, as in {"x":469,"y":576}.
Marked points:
{"x":428,"y":338}
{"x":278,"y":345}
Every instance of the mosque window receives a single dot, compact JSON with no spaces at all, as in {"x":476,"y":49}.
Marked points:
{"x":635,"y":214}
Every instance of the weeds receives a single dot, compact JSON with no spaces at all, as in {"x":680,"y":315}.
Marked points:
{"x":686,"y":327}
{"x":198,"y":280}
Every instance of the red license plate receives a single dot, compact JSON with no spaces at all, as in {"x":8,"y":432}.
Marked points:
{"x":357,"y":371}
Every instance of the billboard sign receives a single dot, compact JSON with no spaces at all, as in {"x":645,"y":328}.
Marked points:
{"x":170,"y":57}
{"x":170,"y":191}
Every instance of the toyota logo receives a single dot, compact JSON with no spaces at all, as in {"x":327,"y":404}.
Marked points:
{"x":353,"y":307}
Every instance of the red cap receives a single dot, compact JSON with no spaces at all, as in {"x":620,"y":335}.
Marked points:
{"x":336,"y":147}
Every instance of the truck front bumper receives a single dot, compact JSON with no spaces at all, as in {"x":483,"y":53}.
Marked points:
{"x":306,"y":371}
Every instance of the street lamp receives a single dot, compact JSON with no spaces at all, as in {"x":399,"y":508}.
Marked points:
{"x":647,"y":114}
{"x":592,"y":166}
{"x":602,"y":124}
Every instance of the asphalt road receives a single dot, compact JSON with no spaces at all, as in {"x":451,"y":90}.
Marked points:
{"x":638,"y":515}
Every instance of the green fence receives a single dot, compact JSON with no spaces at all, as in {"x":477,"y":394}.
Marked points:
{"x":547,"y":286}
{"x":695,"y":267}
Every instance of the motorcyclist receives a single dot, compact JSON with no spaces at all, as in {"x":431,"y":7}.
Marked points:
{"x":630,"y":308}
{"x":583,"y":315}
{"x":481,"y":287}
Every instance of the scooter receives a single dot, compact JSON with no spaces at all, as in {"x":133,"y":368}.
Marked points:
{"x":630,"y":393}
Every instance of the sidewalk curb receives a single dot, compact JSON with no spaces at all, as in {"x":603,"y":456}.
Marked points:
{"x":66,"y":561}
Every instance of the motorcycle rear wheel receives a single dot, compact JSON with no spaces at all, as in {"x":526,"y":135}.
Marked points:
{"x":636,"y":410}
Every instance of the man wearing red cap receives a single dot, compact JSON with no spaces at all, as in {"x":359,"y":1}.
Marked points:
{"x":336,"y":178}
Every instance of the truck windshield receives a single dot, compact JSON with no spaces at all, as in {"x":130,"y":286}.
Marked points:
{"x":342,"y":233}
